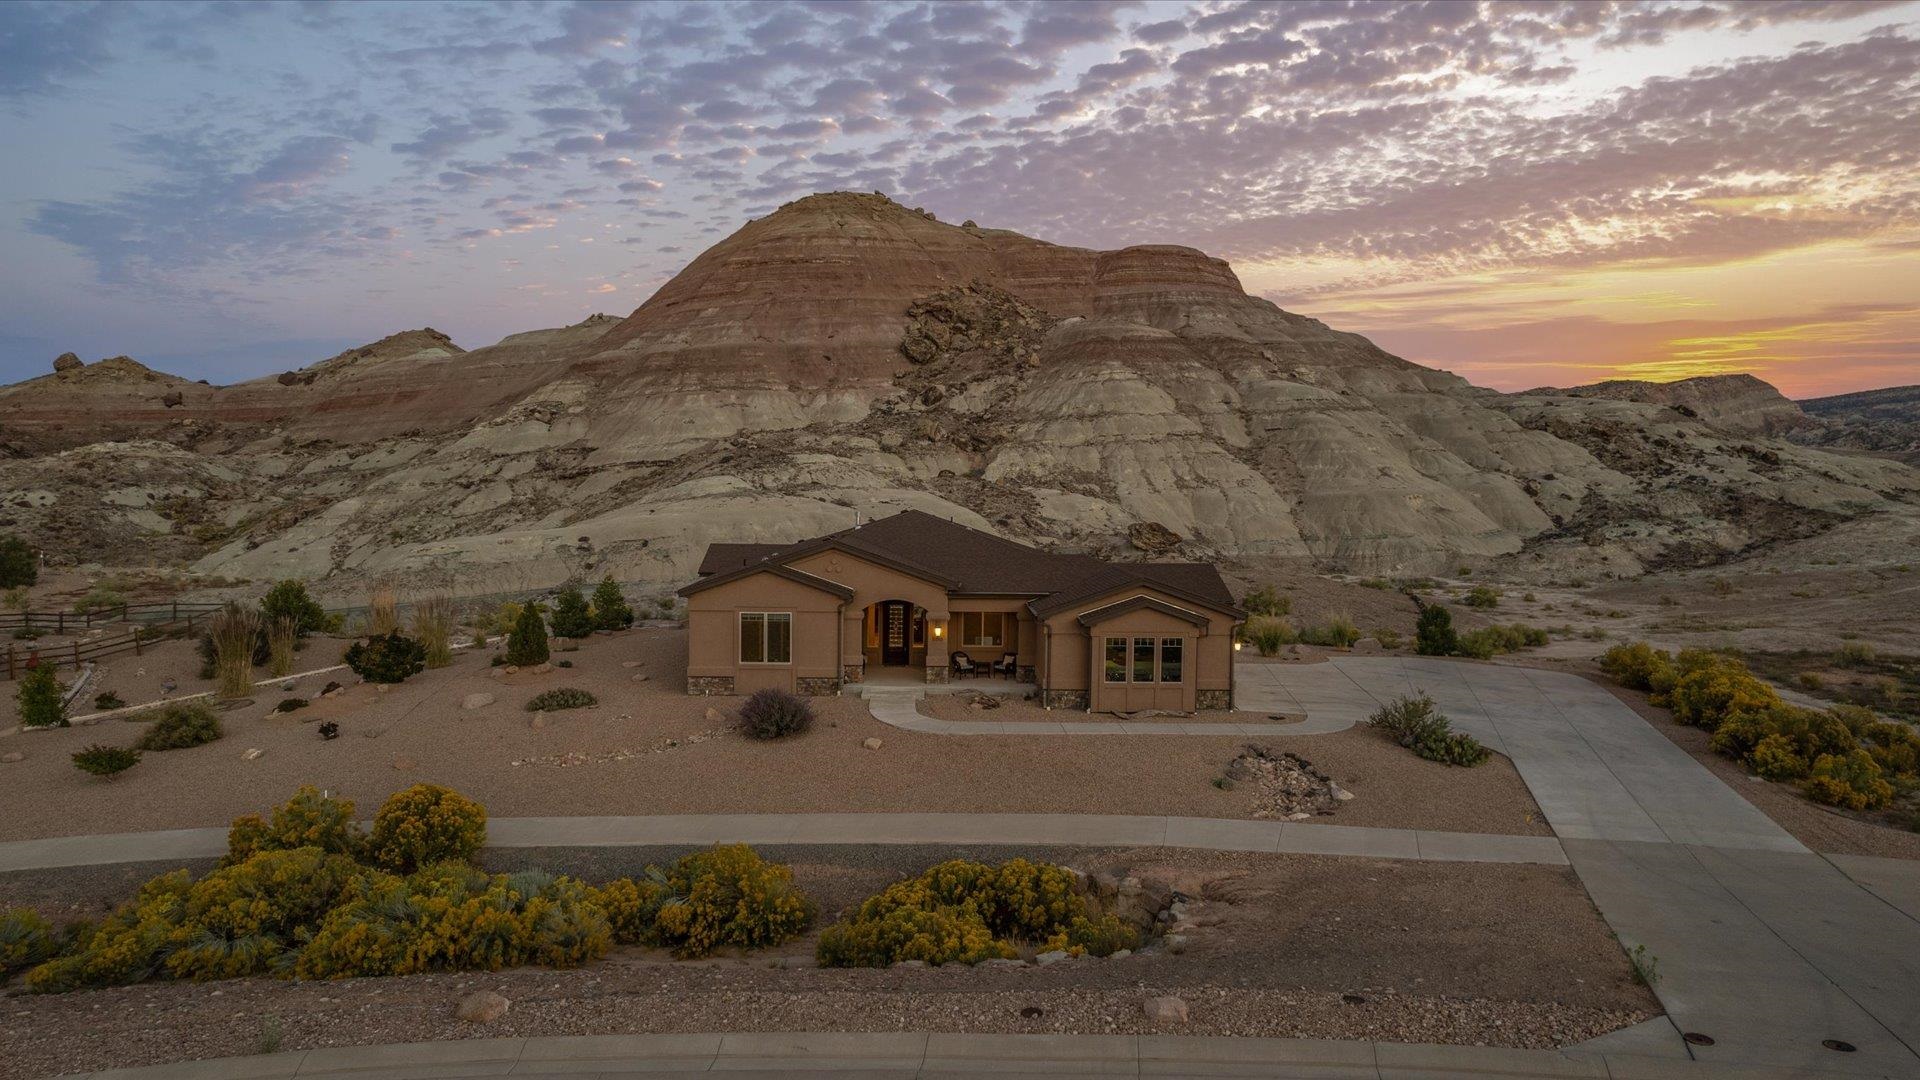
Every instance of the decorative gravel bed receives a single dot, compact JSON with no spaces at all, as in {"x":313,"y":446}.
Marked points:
{"x":1292,"y":946}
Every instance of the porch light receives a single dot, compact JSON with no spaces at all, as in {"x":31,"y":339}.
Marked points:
{"x":939,"y":630}
{"x":1237,"y":644}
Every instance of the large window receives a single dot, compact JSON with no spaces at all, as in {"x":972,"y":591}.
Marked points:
{"x":1117,"y":659}
{"x":1145,"y":659}
{"x":766,"y":637}
{"x":984,"y":629}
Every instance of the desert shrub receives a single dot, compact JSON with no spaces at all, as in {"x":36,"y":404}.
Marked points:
{"x":1774,"y":758}
{"x":610,"y":608}
{"x":283,"y":637}
{"x":1854,"y":654}
{"x":1851,"y":780}
{"x":18,"y":564}
{"x":1268,"y":633}
{"x":560,"y":697}
{"x":247,"y":918}
{"x":107,"y":700}
{"x":41,"y":701}
{"x":1387,"y":636}
{"x":1415,"y":723}
{"x":1895,"y":747}
{"x":1712,"y":685}
{"x":433,"y":624}
{"x":1337,"y":632}
{"x":965,"y":912}
{"x":426,"y":824}
{"x":571,"y":619}
{"x":728,"y":896}
{"x":774,"y":714}
{"x":389,"y":658}
{"x":128,"y":946}
{"x":105,"y":761}
{"x":180,"y":725}
{"x":1266,"y":600}
{"x":527,"y":641}
{"x":1434,"y":634}
{"x":632,"y":906}
{"x":1491,"y":641}
{"x":289,"y":600}
{"x":286,"y":705}
{"x":209,"y":667}
{"x":1482,"y":596}
{"x":1638,"y":666}
{"x":329,"y":729}
{"x":309,"y":819}
{"x":26,"y":939}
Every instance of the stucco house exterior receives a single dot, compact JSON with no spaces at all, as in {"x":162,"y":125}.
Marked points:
{"x":914,"y":597}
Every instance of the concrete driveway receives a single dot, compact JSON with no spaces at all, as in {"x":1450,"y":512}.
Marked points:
{"x":1763,"y":946}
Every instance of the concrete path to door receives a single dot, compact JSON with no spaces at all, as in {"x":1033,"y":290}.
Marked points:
{"x":897,"y":706}
{"x":1763,"y":946}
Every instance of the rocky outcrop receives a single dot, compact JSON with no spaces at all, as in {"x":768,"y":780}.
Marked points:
{"x":66,"y":361}
{"x":1879,"y":421}
{"x":1738,"y":403}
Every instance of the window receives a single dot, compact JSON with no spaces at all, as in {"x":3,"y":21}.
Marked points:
{"x":1143,"y":659}
{"x":1170,"y":659}
{"x":983,"y":629}
{"x":766,"y":637}
{"x":1116,"y":659}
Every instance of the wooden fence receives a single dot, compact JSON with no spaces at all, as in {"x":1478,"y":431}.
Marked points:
{"x":162,"y":621}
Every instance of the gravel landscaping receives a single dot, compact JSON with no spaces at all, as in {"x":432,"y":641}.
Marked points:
{"x":648,"y":748}
{"x":1292,"y":946}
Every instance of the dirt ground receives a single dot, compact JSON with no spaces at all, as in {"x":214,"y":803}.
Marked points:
{"x":648,"y":748}
{"x":1288,"y":946}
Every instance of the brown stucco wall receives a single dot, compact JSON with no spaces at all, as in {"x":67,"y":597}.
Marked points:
{"x":713,"y":633}
{"x":872,"y":583}
{"x":1068,"y":657}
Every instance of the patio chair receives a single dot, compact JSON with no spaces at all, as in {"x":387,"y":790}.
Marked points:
{"x":1008,"y":665}
{"x":963,"y":666}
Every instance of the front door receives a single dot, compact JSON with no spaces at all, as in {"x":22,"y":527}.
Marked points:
{"x":895,"y":617}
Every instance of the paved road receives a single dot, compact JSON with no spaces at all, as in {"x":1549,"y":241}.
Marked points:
{"x":1046,"y":830}
{"x":1765,"y":947}
{"x":911,"y":1056}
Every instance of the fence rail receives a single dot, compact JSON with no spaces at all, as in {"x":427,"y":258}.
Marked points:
{"x":59,"y":622}
{"x":135,"y":641}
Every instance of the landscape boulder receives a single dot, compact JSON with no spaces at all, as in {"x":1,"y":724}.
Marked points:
{"x":482,"y":1007}
{"x":477,"y":701}
{"x":1166,"y":1010}
{"x":66,"y":361}
{"x":871,"y":743}
{"x":11,"y":757}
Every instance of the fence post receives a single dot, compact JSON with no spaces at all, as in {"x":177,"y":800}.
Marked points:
{"x":176,"y":612}
{"x":136,"y":641}
{"x":10,"y":673}
{"x":76,"y":656}
{"x":60,"y":627}
{"x":123,"y":612}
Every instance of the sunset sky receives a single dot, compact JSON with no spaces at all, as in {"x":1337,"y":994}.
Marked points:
{"x":1528,"y":194}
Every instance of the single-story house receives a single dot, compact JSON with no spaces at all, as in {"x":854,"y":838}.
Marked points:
{"x":914,"y":597}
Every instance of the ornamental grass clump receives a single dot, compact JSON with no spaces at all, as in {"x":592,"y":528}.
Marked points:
{"x":26,"y":939}
{"x":179,"y":725}
{"x":963,"y":912}
{"x":1338,"y":632}
{"x":433,"y":620}
{"x":234,"y":631}
{"x":1268,"y":633}
{"x":1415,"y":723}
{"x":426,"y":824}
{"x":775,"y":714}
{"x":383,"y":611}
{"x":283,"y":637}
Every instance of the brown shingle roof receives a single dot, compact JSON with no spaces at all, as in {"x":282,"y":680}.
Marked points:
{"x":969,"y":561}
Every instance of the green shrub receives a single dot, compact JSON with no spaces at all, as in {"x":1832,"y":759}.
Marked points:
{"x":42,"y":702}
{"x":389,"y":658}
{"x":1388,"y":637}
{"x":1491,"y":641}
{"x":1266,"y":600}
{"x":107,"y":701}
{"x":1338,"y":632}
{"x":610,"y":608}
{"x":180,"y":725}
{"x":560,"y":697}
{"x":1434,"y":634}
{"x":571,"y":618}
{"x":1415,"y":723}
{"x":309,"y":819}
{"x":292,"y":704}
{"x":1849,"y":780}
{"x":26,"y":939}
{"x":1268,"y":633}
{"x":1854,"y":654}
{"x":289,"y":600}
{"x":1482,"y":596}
{"x":426,"y":824}
{"x":18,"y":564}
{"x":965,"y":912}
{"x":1638,"y":666}
{"x":774,"y":714}
{"x":527,"y":641}
{"x":727,"y":896}
{"x":105,"y":761}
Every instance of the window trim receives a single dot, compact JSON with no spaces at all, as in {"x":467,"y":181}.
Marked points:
{"x":1159,"y":659}
{"x":739,"y":628}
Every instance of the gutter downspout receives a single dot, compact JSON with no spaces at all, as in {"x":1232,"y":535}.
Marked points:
{"x":840,"y":649}
{"x":1233,"y":635}
{"x":1046,"y":653}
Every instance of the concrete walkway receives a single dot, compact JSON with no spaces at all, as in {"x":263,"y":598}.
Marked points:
{"x":896,"y":706}
{"x":1762,"y":945}
{"x":908,"y":1055}
{"x":1089,"y":830}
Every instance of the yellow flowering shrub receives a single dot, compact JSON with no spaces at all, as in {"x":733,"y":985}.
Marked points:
{"x":1851,"y":780}
{"x":728,"y":896}
{"x":26,"y":939}
{"x":239,"y":920}
{"x":426,"y":824}
{"x":937,"y":935}
{"x":127,"y":947}
{"x":309,"y":819}
{"x":1712,"y":685}
{"x":1775,"y":759}
{"x":631,"y":908}
{"x":1638,"y":665}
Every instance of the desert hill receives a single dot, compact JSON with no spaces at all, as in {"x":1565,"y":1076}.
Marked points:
{"x":1738,"y":403}
{"x":1885,"y":421}
{"x":846,"y":355}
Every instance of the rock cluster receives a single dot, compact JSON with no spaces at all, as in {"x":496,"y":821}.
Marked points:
{"x":1287,"y":785}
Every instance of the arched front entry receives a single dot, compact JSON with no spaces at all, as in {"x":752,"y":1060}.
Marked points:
{"x":895,"y":635}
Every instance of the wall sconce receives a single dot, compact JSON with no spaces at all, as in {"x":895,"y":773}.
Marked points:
{"x":1237,"y":644}
{"x":939,"y":630}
